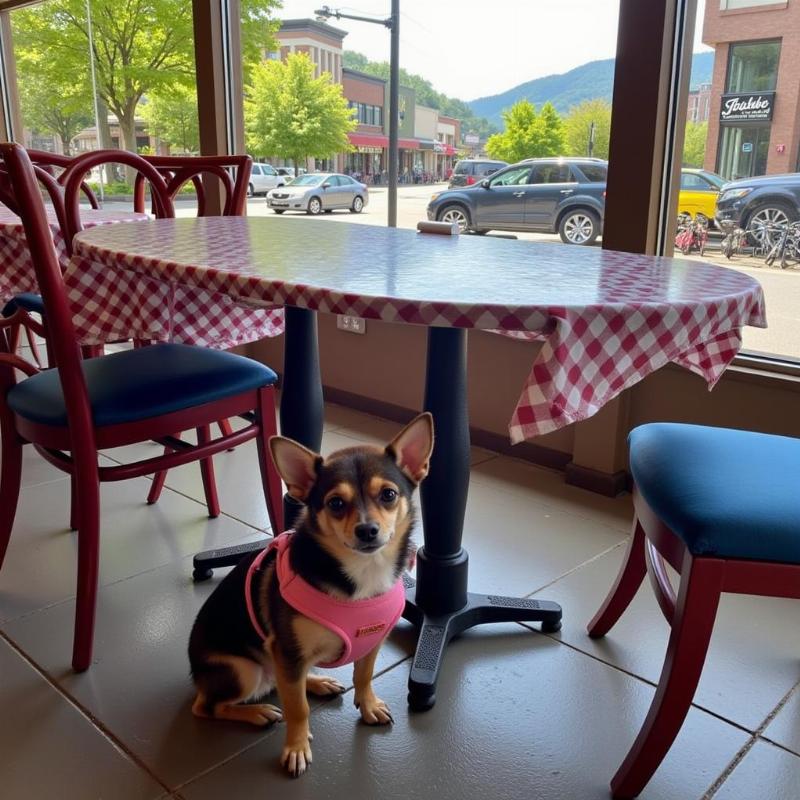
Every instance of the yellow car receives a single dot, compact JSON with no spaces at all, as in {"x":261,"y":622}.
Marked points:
{"x":699,"y":190}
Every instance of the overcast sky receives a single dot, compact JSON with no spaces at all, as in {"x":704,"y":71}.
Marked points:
{"x":473,"y":48}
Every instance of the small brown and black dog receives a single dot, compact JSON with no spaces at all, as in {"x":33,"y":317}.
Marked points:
{"x":349,"y":549}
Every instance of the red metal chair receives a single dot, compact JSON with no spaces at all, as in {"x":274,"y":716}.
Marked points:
{"x":722,"y":507}
{"x":82,"y":406}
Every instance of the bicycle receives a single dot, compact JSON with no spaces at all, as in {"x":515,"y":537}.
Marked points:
{"x":692,"y":233}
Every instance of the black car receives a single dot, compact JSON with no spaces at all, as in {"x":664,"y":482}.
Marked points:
{"x":755,"y":201}
{"x":566,"y":195}
{"x":473,"y":170}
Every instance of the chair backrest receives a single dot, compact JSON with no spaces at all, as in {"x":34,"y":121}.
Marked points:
{"x":49,"y":162}
{"x":23,"y":181}
{"x":179,"y":170}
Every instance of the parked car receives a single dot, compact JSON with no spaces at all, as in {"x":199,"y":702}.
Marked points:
{"x":319,"y":191}
{"x":264,"y":177}
{"x":699,"y":191}
{"x":473,"y":170}
{"x":564,"y":195}
{"x":764,"y":199}
{"x":288,"y":172}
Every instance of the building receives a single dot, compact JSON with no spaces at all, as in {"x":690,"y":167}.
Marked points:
{"x":753,"y":127}
{"x":321,"y":41}
{"x":699,"y":105}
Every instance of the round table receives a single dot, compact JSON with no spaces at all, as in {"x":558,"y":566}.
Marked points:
{"x":607,"y":320}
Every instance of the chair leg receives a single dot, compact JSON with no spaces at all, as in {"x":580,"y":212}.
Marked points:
{"x":87,"y":492}
{"x":10,"y":479}
{"x":271,"y":481}
{"x":158,"y":483}
{"x":226,"y":430}
{"x":698,"y":599}
{"x":207,"y":471}
{"x":629,"y":579}
{"x":74,"y":519}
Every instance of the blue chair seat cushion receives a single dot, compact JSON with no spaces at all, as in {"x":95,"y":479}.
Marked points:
{"x":27,"y":300}
{"x":138,"y":384}
{"x":724,"y":492}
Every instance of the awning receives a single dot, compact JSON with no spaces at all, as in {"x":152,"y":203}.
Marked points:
{"x":428,"y":144}
{"x":376,"y":140}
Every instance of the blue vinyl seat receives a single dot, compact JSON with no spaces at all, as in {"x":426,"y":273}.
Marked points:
{"x":726,"y":493}
{"x":25,"y":300}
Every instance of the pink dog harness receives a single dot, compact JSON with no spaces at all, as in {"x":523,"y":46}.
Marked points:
{"x":361,"y":624}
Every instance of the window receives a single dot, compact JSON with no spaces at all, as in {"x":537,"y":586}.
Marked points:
{"x":753,"y":67}
{"x":551,"y":173}
{"x":268,"y":169}
{"x":594,"y":173}
{"x":256,"y":169}
{"x":512,"y":177}
{"x":694,"y":182}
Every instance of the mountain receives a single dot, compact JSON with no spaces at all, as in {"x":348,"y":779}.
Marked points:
{"x":586,"y":82}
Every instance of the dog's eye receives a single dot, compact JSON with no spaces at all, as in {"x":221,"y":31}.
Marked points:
{"x":336,"y":504}
{"x":388,"y":495}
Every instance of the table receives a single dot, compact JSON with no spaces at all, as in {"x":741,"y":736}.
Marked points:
{"x":607,"y":320}
{"x":17,"y":274}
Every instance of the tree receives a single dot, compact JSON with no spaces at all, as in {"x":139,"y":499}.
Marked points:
{"x":694,"y":144}
{"x":528,"y":134}
{"x":142,"y":47}
{"x":291,"y":114}
{"x":172,"y":119}
{"x":577,"y":127}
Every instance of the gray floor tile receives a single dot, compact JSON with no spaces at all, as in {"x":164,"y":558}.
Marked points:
{"x":139,"y":683}
{"x":516,"y":717}
{"x":785,"y":728}
{"x":752,"y":660}
{"x":48,"y":749}
{"x":545,"y":487}
{"x":765,"y":772}
{"x":36,"y":470}
{"x":41,"y":562}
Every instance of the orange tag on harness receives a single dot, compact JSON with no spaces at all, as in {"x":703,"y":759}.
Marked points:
{"x":368,"y":630}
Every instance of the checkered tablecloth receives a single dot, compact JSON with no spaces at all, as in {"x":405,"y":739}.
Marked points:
{"x":606,"y":319}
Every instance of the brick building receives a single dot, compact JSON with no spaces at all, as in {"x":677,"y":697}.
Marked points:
{"x":754,"y":124}
{"x":699,"y":105}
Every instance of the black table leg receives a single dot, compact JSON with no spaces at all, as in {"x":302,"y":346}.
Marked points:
{"x":301,"y":413}
{"x":439,"y":604}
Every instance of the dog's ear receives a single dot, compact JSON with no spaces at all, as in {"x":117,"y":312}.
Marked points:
{"x":297,"y":465}
{"x":412,"y":447}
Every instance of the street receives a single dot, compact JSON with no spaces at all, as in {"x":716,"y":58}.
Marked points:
{"x":781,"y":287}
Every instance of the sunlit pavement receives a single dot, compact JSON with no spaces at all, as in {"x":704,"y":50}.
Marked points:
{"x":781,"y":287}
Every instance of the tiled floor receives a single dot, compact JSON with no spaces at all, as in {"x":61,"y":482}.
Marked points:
{"x":519,"y":714}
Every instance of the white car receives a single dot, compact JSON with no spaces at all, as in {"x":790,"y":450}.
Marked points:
{"x":264,"y":177}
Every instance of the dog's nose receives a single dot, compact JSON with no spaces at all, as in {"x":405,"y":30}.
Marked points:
{"x":367,"y":531}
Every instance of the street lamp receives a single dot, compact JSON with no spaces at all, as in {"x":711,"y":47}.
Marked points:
{"x":393,"y":24}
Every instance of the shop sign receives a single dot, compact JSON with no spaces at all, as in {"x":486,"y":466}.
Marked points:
{"x":365,"y":149}
{"x":747,"y":107}
{"x":471,"y":138}
{"x":439,"y":147}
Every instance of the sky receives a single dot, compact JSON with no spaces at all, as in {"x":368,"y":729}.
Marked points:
{"x":473,"y":48}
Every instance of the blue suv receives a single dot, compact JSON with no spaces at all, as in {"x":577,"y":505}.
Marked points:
{"x":549,"y":195}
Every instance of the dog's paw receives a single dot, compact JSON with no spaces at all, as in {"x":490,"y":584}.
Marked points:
{"x":261,"y":714}
{"x":296,"y":758}
{"x":374,"y":711}
{"x":324,"y":685}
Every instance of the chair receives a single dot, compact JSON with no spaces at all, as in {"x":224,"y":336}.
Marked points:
{"x":82,"y":406}
{"x":722,"y":507}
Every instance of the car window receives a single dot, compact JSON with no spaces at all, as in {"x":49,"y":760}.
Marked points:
{"x":694,"y":182}
{"x":268,"y":169}
{"x":594,"y":173}
{"x":511,"y":177}
{"x":486,"y":169}
{"x":332,"y":180}
{"x":551,"y":173}
{"x":345,"y":180}
{"x":256,"y":169}
{"x":307,"y":180}
{"x":714,"y":179}
{"x":463,"y":168}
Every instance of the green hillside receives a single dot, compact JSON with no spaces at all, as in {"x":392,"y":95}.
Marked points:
{"x":586,"y":82}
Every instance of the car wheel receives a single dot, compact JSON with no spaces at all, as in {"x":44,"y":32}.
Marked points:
{"x":358,"y":204}
{"x":251,"y":190}
{"x":455,"y":214}
{"x":761,"y":218}
{"x":279,"y":210}
{"x":314,"y":205}
{"x":580,"y":226}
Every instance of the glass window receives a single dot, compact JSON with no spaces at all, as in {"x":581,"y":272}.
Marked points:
{"x":463,"y":168}
{"x":512,"y":177}
{"x":268,"y":169}
{"x":594,"y":173}
{"x":551,"y":173}
{"x":694,"y":182}
{"x":753,"y":67}
{"x":256,"y":169}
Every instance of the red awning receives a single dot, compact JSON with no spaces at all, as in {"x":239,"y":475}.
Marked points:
{"x":408,"y":144}
{"x":373,"y":140}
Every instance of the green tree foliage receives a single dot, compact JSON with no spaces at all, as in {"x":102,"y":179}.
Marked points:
{"x":528,"y":134}
{"x":142,"y":47}
{"x":578,"y":123}
{"x":694,"y":144}
{"x":291,"y":114}
{"x":425,"y":93}
{"x":172,"y":118}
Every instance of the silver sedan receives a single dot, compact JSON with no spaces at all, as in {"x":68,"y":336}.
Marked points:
{"x":317,"y":192}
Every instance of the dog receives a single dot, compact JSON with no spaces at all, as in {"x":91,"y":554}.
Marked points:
{"x":327,"y":593}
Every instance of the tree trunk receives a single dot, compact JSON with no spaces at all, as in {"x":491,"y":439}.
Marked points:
{"x":104,"y":134}
{"x":127,"y":127}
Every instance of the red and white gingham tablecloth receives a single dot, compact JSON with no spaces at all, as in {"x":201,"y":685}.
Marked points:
{"x":606,"y":319}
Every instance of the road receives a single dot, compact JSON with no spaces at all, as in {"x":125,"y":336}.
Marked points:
{"x":781,"y":287}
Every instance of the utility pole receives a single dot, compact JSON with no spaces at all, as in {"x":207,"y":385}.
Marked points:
{"x":591,"y":139}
